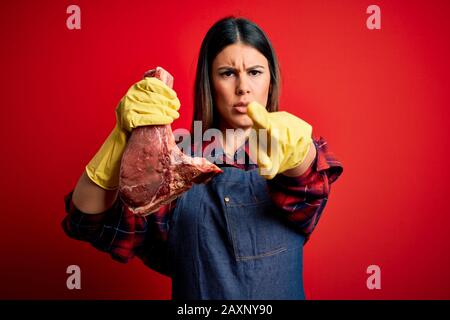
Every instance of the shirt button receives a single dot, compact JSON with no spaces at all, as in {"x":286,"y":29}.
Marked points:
{"x":226,"y":199}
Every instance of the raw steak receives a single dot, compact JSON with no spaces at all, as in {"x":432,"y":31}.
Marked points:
{"x":161,"y":74}
{"x":154,"y":171}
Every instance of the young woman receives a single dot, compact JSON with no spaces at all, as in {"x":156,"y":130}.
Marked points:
{"x":241,"y":235}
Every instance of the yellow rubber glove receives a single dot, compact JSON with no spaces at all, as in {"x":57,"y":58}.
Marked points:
{"x":147,"y":102}
{"x":288,"y":140}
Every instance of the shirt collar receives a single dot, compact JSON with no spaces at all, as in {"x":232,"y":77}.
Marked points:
{"x":213,"y":151}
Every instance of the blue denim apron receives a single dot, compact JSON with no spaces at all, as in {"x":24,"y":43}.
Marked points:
{"x":226,"y":242}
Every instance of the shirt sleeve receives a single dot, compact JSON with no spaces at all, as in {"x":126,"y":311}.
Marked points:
{"x":121,"y":233}
{"x":302,"y":199}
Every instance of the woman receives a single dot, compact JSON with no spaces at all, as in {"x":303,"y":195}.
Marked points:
{"x":241,"y":235}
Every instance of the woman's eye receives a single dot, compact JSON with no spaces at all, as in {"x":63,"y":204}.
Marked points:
{"x":255,"y":72}
{"x":230,"y":73}
{"x":227,"y":73}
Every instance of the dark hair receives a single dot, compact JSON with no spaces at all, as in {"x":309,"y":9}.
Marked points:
{"x":223,"y":33}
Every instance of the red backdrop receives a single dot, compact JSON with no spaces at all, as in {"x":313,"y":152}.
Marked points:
{"x":380,"y":98}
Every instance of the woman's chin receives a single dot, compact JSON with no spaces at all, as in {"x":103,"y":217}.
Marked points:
{"x":244,"y":123}
{"x":237,"y":122}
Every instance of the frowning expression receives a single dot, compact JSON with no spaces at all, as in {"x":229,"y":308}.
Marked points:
{"x":240,"y":75}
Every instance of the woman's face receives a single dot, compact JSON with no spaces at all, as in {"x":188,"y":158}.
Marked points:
{"x":240,"y":75}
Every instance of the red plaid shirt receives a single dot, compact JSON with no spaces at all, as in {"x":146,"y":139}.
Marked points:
{"x":121,"y":233}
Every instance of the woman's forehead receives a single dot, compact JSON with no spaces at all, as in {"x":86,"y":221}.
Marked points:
{"x":239,"y":55}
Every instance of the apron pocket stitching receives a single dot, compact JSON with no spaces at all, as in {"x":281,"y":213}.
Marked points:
{"x":267,"y":254}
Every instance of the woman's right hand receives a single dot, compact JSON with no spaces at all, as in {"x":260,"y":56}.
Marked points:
{"x":148,"y":102}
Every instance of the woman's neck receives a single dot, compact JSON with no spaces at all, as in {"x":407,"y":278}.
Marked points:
{"x":233,"y":139}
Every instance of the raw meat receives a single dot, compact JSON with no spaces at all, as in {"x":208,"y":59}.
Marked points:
{"x":154,"y":171}
{"x":161,"y":74}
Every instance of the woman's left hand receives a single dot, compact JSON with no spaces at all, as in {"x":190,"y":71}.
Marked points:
{"x":288,"y":140}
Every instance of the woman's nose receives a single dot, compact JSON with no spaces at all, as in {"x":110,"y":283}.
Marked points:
{"x":242,"y":86}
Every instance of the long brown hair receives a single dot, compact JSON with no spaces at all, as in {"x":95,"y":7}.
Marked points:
{"x":223,"y":33}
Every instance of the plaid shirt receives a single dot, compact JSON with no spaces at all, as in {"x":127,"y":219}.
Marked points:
{"x":123,"y":235}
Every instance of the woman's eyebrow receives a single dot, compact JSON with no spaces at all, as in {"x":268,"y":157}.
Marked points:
{"x":233,"y":68}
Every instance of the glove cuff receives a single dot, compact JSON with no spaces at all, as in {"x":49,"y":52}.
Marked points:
{"x":104,"y":168}
{"x":298,"y":155}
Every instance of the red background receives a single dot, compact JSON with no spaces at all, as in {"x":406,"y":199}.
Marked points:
{"x":380,"y":98}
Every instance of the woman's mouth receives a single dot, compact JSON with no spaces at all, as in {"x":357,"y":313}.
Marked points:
{"x":241,"y":107}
